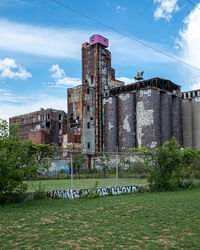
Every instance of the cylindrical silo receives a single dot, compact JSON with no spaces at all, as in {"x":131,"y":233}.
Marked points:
{"x":148,"y":130}
{"x":187,"y":123}
{"x":126,"y":121}
{"x":166,"y":116}
{"x":196,"y":122}
{"x":177,"y":119}
{"x":110,"y":124}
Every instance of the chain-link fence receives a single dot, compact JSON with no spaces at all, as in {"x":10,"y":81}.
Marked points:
{"x":77,"y":171}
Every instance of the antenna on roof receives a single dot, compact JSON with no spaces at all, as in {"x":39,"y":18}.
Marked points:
{"x":139,"y":76}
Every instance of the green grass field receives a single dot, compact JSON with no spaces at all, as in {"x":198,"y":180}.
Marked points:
{"x":169,"y":220}
{"x":82,"y":183}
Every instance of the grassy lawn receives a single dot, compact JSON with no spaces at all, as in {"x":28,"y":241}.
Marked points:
{"x":82,"y":183}
{"x":168,"y":220}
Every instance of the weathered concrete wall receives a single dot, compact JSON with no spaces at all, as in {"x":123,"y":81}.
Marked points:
{"x":187,"y":123}
{"x":196,"y":122}
{"x":177,"y":119}
{"x":166,"y":116}
{"x":127,"y":121}
{"x":110,"y":124}
{"x":148,"y":118}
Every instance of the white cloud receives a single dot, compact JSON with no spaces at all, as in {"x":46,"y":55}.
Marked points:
{"x":189,"y":43}
{"x":195,"y":86}
{"x":42,"y":41}
{"x":57,"y":72}
{"x":61,"y":80}
{"x":66,"y":43}
{"x":165,"y":9}
{"x":9,"y":69}
{"x":126,"y":80}
{"x":21,"y":105}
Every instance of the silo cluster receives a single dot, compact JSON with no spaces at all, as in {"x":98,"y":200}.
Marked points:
{"x":191,"y":123}
{"x":147,"y":117}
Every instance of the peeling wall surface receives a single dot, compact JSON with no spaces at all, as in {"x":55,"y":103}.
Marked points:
{"x":166,"y":116}
{"x":96,"y":80}
{"x":126,"y":121}
{"x":176,"y":119}
{"x":110,"y":124}
{"x":74,"y":101}
{"x":148,"y":118}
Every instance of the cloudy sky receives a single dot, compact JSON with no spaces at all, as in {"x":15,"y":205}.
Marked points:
{"x":40,"y":46}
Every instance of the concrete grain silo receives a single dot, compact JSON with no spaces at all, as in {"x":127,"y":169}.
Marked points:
{"x":110,"y":124}
{"x":176,"y":119}
{"x":196,"y":122}
{"x":148,"y":126}
{"x":166,"y":116}
{"x":126,"y":121}
{"x":187,"y":123}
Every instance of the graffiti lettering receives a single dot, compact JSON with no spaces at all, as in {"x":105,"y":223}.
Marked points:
{"x":73,"y":194}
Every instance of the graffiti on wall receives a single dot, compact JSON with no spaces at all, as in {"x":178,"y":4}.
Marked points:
{"x":73,"y":194}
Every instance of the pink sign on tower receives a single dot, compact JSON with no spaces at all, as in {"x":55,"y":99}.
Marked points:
{"x":98,"y":39}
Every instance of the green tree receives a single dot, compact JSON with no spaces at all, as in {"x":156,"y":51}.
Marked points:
{"x":78,"y":160}
{"x":168,"y":164}
{"x":18,"y":161}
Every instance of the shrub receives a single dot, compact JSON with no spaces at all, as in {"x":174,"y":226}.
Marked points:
{"x":17,"y":163}
{"x":167,"y":165}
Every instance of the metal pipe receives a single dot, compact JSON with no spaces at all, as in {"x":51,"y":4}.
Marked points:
{"x":117,"y":166}
{"x":72,"y":184}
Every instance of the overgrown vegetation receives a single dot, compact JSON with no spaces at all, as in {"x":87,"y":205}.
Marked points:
{"x":169,"y":165}
{"x":19,"y":160}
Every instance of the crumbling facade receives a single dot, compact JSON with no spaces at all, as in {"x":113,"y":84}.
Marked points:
{"x":42,"y":127}
{"x":141,"y":114}
{"x":98,"y":78}
{"x":108,"y":116}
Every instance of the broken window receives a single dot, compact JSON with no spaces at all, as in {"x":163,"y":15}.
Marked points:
{"x":92,"y":80}
{"x":91,"y":118}
{"x":88,"y":125}
{"x":48,"y":125}
{"x":88,"y":145}
{"x":88,"y":91}
{"x":60,"y":117}
{"x":88,"y":108}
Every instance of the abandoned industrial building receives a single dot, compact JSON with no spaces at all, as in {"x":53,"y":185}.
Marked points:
{"x":104,"y":114}
{"x":42,"y":127}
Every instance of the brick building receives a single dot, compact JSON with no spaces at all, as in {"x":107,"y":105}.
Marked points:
{"x":42,"y":127}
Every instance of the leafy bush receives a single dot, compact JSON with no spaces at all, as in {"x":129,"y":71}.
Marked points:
{"x":40,"y":193}
{"x":169,"y":165}
{"x":17,"y":163}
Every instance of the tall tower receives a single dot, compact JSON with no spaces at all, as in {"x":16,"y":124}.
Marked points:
{"x":96,"y":81}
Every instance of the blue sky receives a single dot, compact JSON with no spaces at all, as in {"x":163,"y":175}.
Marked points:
{"x":40,"y":46}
